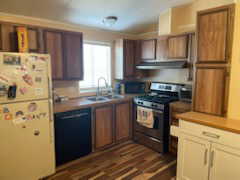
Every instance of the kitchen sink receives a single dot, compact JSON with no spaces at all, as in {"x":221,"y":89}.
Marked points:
{"x":105,"y":98}
{"x":97,"y":98}
{"x":114,"y":97}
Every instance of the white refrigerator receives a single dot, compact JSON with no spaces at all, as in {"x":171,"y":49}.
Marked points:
{"x":26,"y":117}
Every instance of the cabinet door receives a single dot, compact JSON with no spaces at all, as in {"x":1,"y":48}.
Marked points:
{"x":214,"y":31}
{"x":210,"y":90}
{"x":33,"y":40}
{"x":54,"y":47}
{"x":224,"y":163}
{"x":148,"y":49}
{"x":123,"y":121}
{"x":162,"y":48}
{"x":103,"y":126}
{"x":1,"y":38}
{"x":178,"y":47}
{"x":8,"y":37}
{"x":73,"y":50}
{"x":193,"y":158}
{"x":129,"y":58}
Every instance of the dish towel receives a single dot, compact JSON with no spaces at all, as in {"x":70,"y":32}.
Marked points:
{"x":145,"y":117}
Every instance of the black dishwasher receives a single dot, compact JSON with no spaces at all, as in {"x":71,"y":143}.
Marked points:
{"x":72,"y":135}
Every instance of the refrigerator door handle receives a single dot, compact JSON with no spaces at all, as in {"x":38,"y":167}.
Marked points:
{"x":51,"y":122}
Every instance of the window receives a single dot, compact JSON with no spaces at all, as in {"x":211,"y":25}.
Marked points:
{"x":97,"y":63}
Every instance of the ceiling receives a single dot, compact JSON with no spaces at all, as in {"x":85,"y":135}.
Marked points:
{"x":133,"y":15}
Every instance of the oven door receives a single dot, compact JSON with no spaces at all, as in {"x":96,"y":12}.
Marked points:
{"x":158,"y":128}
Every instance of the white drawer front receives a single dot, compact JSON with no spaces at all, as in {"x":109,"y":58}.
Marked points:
{"x":211,"y":134}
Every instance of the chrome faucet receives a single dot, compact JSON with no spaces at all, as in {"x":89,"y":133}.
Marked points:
{"x":98,"y":88}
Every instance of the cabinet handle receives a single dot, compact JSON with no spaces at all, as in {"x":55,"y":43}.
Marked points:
{"x":212,"y":159}
{"x":156,"y":140}
{"x":205,"y":156}
{"x":210,"y":135}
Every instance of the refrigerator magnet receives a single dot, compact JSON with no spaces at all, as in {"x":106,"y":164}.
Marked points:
{"x":4,"y":79}
{"x":23,"y":90}
{"x":18,"y":120}
{"x":43,"y":114}
{"x":33,"y":58}
{"x":38,"y":91}
{"x":32,"y":107}
{"x":11,"y":59}
{"x":28,"y":79}
{"x":33,"y":67}
{"x":5,"y":110}
{"x":41,"y":58}
{"x":29,"y":117}
{"x":38,"y":79}
{"x":8,"y":116}
{"x":19,"y":114}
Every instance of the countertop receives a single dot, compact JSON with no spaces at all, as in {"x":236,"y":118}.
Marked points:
{"x":211,"y":121}
{"x":83,"y":102}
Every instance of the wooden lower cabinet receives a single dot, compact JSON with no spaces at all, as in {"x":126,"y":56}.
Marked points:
{"x":103,"y":126}
{"x":123,"y":121}
{"x":112,"y":124}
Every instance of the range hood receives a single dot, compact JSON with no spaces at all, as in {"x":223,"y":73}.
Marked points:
{"x":163,"y":65}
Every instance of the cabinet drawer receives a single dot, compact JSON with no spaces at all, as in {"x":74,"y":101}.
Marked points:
{"x":150,"y":142}
{"x":211,"y":134}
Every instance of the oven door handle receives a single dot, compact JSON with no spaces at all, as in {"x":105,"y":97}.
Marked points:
{"x":154,"y":110}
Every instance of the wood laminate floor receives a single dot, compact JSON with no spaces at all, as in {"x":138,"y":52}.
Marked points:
{"x":128,"y":161}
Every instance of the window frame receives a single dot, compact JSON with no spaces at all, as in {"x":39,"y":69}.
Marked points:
{"x":99,"y":43}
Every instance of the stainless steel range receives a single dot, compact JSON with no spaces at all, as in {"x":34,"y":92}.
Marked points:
{"x":156,"y":102}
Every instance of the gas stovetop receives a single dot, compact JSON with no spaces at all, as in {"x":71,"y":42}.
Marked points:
{"x":161,"y":99}
{"x":161,"y":95}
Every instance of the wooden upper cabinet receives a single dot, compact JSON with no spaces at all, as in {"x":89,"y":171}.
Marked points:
{"x":123,"y":121}
{"x":129,"y":58}
{"x":53,"y":41}
{"x":125,"y":58}
{"x":210,"y":90}
{"x":1,"y":38}
{"x":73,"y":50}
{"x":162,"y":48}
{"x":8,"y":38}
{"x":34,"y":40}
{"x":178,"y":47}
{"x":148,"y":49}
{"x":103,"y":126}
{"x":214,"y":29}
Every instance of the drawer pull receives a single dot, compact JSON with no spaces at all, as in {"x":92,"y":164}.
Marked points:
{"x":156,"y":140}
{"x":210,"y":135}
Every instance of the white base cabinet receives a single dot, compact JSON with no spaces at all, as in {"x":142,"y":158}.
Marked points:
{"x":225,"y":163}
{"x":193,"y":157}
{"x":203,"y":153}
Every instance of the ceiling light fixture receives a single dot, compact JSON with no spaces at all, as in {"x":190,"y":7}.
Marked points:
{"x":110,"y":20}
